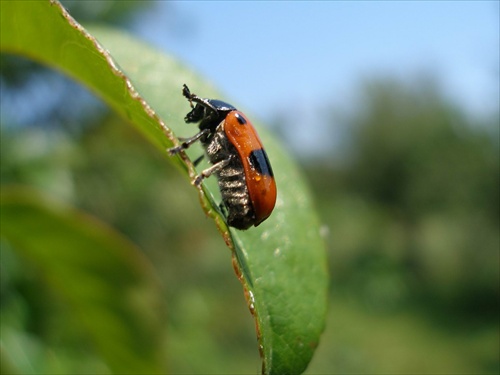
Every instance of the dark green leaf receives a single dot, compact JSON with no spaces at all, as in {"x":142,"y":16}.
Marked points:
{"x":99,"y":274}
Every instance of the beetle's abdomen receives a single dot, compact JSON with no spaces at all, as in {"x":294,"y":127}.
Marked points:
{"x":235,"y":196}
{"x":232,"y":182}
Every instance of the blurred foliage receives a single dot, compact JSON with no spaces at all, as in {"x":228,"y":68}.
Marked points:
{"x":412,"y":216}
{"x":418,"y":199}
{"x":107,"y":287}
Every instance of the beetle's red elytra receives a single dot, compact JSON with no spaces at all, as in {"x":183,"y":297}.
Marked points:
{"x":237,"y":157}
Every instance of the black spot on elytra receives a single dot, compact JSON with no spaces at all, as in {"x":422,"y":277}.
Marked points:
{"x":259,"y":161}
{"x":240,"y":119}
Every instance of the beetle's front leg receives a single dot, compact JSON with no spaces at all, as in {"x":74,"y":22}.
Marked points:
{"x":187,"y":142}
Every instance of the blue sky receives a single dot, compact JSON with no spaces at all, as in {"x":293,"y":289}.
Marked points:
{"x":270,"y":56}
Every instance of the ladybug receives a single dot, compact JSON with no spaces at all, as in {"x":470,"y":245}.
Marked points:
{"x":237,"y":158}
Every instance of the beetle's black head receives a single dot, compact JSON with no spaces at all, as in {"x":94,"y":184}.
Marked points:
{"x":208,"y":112}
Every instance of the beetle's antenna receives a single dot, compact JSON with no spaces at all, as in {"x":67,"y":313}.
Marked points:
{"x":187,"y":94}
{"x":195,"y":98}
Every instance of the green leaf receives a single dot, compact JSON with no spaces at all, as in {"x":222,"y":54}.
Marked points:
{"x":98,"y":273}
{"x":281,"y":263}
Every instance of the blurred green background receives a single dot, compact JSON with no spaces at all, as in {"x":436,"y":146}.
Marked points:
{"x":410,"y":213}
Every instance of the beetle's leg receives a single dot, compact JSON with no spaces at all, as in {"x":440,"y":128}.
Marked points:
{"x":223,"y":209}
{"x":187,"y":142}
{"x":209,"y":171}
{"x":198,"y":160}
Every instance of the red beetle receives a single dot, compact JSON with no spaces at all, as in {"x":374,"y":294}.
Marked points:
{"x":239,"y":161}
